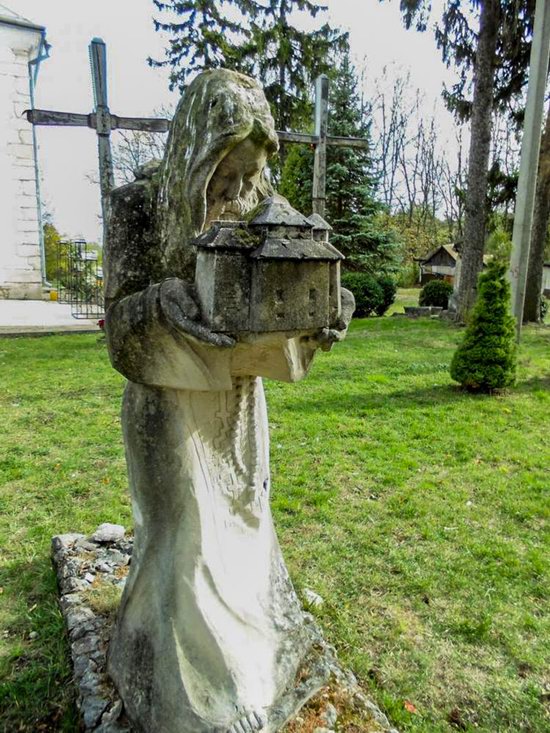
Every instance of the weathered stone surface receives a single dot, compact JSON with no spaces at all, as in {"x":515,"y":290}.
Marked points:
{"x":89,"y":630}
{"x":64,"y":541}
{"x":108,"y":533}
{"x":414,"y":311}
{"x":312,"y":599}
{"x":330,"y":715}
{"x":222,"y":120}
{"x":210,"y":635}
{"x":271,"y":274}
{"x":102,"y":710}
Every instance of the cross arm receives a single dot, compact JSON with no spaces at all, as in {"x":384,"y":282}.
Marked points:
{"x":71,"y":119}
{"x":297,"y":137}
{"x":49,"y":117}
{"x":348,"y":142}
{"x":343,"y":142}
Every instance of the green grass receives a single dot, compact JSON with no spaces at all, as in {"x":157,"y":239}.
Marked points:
{"x":418,"y":512}
{"x":405,"y":296}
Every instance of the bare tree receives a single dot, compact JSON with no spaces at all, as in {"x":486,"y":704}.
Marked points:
{"x":452,"y":184}
{"x":390,"y":133}
{"x":134,"y":148}
{"x":416,"y":177}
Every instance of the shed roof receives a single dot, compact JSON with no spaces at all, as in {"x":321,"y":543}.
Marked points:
{"x":10,"y":17}
{"x":446,"y":248}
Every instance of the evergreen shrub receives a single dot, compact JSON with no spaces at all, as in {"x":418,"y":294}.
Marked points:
{"x":436,"y":293}
{"x":389,"y":291}
{"x":543,"y":308}
{"x":369,"y":294}
{"x":485,"y":361}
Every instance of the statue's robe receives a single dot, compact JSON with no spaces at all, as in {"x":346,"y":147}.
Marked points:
{"x":209,"y":624}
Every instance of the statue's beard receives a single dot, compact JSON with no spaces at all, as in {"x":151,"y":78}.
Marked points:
{"x":230,"y":210}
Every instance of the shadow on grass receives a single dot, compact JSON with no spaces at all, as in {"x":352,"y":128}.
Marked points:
{"x":36,"y":663}
{"x":533,"y":383}
{"x":389,"y":401}
{"x":446,"y":394}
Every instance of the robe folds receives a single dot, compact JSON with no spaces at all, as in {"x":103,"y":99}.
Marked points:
{"x":209,"y":625}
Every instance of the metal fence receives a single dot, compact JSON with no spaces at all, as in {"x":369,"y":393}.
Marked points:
{"x":79,"y":278}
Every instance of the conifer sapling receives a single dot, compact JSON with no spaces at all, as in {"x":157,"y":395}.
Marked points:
{"x":485,"y":361}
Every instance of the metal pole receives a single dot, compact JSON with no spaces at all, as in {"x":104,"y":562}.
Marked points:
{"x":320,"y":163}
{"x":98,"y":63}
{"x":530,"y":148}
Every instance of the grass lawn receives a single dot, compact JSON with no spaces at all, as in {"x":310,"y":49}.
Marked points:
{"x":419,"y":513}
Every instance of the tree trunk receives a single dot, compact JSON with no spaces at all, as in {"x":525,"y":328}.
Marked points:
{"x":531,"y":309}
{"x":475,"y":218}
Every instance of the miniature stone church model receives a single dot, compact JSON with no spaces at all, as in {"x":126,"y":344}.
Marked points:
{"x":276,"y":272}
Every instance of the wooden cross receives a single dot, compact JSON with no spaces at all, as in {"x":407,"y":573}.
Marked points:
{"x":320,"y":140}
{"x":103,"y":122}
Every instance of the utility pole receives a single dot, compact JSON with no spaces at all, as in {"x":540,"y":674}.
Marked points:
{"x":530,"y":148}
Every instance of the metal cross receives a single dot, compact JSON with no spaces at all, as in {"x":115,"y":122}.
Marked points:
{"x":103,"y":122}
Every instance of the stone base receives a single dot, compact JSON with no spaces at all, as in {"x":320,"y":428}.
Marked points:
{"x":92,"y":571}
{"x":21,"y":291}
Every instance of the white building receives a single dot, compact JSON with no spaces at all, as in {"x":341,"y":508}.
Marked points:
{"x":22,"y":47}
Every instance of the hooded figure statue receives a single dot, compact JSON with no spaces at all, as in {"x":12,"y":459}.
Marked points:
{"x":210,"y":635}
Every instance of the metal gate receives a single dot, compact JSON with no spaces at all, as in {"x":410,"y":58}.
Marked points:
{"x":79,"y":278}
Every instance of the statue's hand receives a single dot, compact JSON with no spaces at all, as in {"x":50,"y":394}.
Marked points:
{"x":180,"y":309}
{"x":329,"y":336}
{"x":347,"y":310}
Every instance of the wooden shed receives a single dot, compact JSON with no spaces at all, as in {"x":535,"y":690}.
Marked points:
{"x":439,"y":264}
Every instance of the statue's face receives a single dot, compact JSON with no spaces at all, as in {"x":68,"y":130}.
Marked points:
{"x":230,"y":191}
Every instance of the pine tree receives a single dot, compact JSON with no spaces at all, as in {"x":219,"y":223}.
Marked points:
{"x":288,"y":60}
{"x":296,"y":182}
{"x":209,"y":35}
{"x":256,"y":38}
{"x":485,"y":361}
{"x":351,"y":208}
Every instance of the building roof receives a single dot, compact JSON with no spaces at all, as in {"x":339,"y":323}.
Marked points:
{"x":446,"y":247}
{"x":317,"y":222}
{"x":10,"y":17}
{"x":296,"y":249}
{"x":276,"y":211}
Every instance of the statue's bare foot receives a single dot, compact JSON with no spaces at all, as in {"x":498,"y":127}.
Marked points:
{"x":249,"y":723}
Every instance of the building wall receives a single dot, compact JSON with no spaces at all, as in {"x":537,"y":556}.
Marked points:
{"x":546,"y":280}
{"x":436,"y":272}
{"x":441,"y":259}
{"x":20,"y":257}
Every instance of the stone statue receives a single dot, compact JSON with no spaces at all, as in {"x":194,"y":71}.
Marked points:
{"x":210,"y":635}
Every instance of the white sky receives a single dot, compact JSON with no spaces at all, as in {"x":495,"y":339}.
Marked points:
{"x":68,"y":155}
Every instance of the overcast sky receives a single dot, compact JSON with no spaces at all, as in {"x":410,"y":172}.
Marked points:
{"x":68,"y":155}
